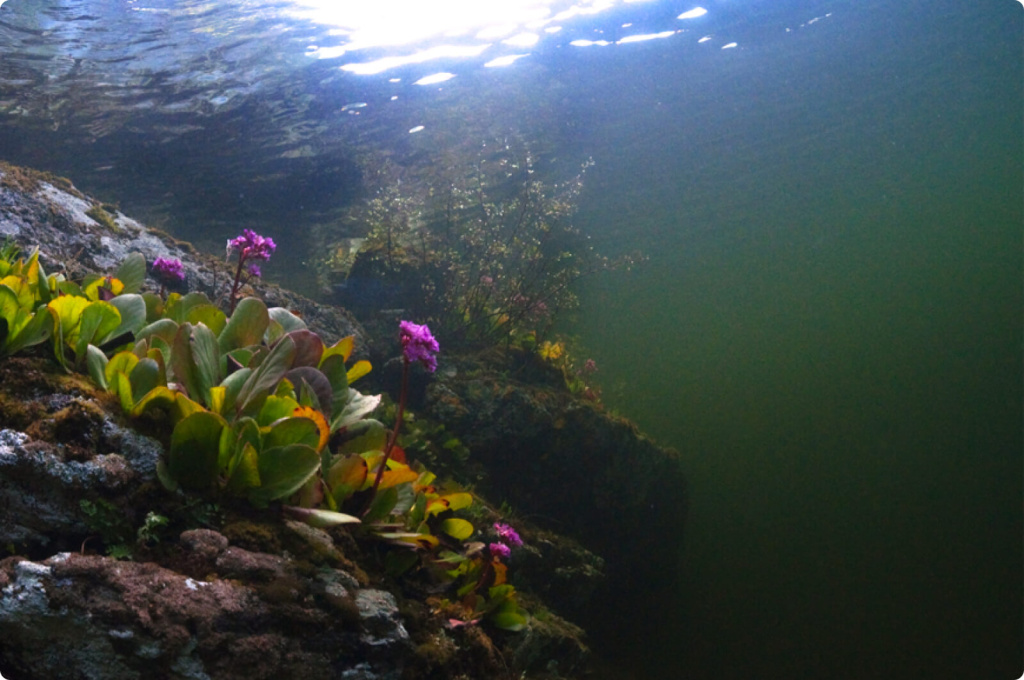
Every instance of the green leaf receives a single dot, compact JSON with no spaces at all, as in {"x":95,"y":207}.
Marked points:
{"x":246,"y":326}
{"x":154,"y":307}
{"x":319,"y":518}
{"x":337,"y":374}
{"x":206,"y":358}
{"x":132,"y":272}
{"x":9,"y":303}
{"x":165,"y":329}
{"x":178,"y":307}
{"x":183,"y":365}
{"x":233,"y":385}
{"x":122,"y":362}
{"x":38,"y":329}
{"x":243,"y":431}
{"x":123,"y":390}
{"x":508,"y":620}
{"x":358,"y":405}
{"x":313,"y":387}
{"x":265,"y":378}
{"x":96,"y":362}
{"x":289,"y":322}
{"x":177,"y":404}
{"x":143,"y":378}
{"x":382,"y":505}
{"x":374,"y":438}
{"x":209,"y":315}
{"x":283,"y":470}
{"x":99,"y":319}
{"x":243,"y":470}
{"x":195,"y":441}
{"x":275,"y":408}
{"x":293,"y":431}
{"x":457,"y":528}
{"x":133,"y":316}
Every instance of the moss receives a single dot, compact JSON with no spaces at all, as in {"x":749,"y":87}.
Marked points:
{"x":100,"y":214}
{"x":28,"y":181}
{"x":253,"y":536}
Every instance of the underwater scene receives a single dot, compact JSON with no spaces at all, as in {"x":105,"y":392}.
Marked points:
{"x":758,"y":264}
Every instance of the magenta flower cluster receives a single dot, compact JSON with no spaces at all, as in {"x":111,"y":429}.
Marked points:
{"x":168,"y":271}
{"x":508,"y":538}
{"x":252,"y":246}
{"x":419,"y":345}
{"x":500,"y":550}
{"x":507,"y":535}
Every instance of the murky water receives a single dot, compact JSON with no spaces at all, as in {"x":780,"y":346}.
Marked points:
{"x":829,"y":328}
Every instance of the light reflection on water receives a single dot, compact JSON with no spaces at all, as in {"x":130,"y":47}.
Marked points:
{"x":417,"y":32}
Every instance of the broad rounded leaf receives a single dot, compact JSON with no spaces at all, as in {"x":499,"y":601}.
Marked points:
{"x":246,"y":326}
{"x":195,"y":444}
{"x":283,"y":470}
{"x":457,"y":528}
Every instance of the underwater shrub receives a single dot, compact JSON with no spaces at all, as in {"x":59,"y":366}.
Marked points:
{"x":487,"y":256}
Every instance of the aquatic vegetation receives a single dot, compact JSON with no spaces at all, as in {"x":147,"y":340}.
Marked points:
{"x":168,"y":270}
{"x":418,"y":345}
{"x":251,"y":249}
{"x":258,"y":408}
{"x":486,"y":257}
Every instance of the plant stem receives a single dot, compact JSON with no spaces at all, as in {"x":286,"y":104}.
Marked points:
{"x":234,"y":286}
{"x":394,"y":432}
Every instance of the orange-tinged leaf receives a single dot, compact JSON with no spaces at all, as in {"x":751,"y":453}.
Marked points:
{"x":500,"y":573}
{"x":398,"y":455}
{"x":358,"y":370}
{"x":424,"y":541}
{"x":350,"y":471}
{"x":343,"y":347}
{"x":397,"y":476}
{"x":321,"y":423}
{"x":437,"y":505}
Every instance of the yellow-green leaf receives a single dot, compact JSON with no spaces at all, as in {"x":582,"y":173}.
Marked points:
{"x":457,"y":528}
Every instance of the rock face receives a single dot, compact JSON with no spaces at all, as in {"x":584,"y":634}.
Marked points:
{"x":78,"y":235}
{"x":572,"y":468}
{"x":256,"y":596}
{"x":73,"y":616}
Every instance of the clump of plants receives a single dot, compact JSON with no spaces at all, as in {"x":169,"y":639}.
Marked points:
{"x":258,"y":409}
{"x":488,"y":257}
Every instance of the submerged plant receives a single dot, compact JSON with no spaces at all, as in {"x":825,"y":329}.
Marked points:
{"x":486,"y":257}
{"x":418,"y":345}
{"x":251,"y":249}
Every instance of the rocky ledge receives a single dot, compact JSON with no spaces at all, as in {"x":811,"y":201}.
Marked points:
{"x":223,"y":592}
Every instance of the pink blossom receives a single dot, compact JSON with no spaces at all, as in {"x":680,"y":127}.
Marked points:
{"x":252,"y":246}
{"x":168,"y":270}
{"x":507,"y":534}
{"x":419,"y":345}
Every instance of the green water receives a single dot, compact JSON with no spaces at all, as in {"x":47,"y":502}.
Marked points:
{"x":829,"y":330}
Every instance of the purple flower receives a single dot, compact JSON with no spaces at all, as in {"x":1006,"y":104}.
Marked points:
{"x":252,"y":246}
{"x":500,"y":550}
{"x":419,"y":345}
{"x":507,"y":534}
{"x":168,"y":271}
{"x":253,"y":269}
